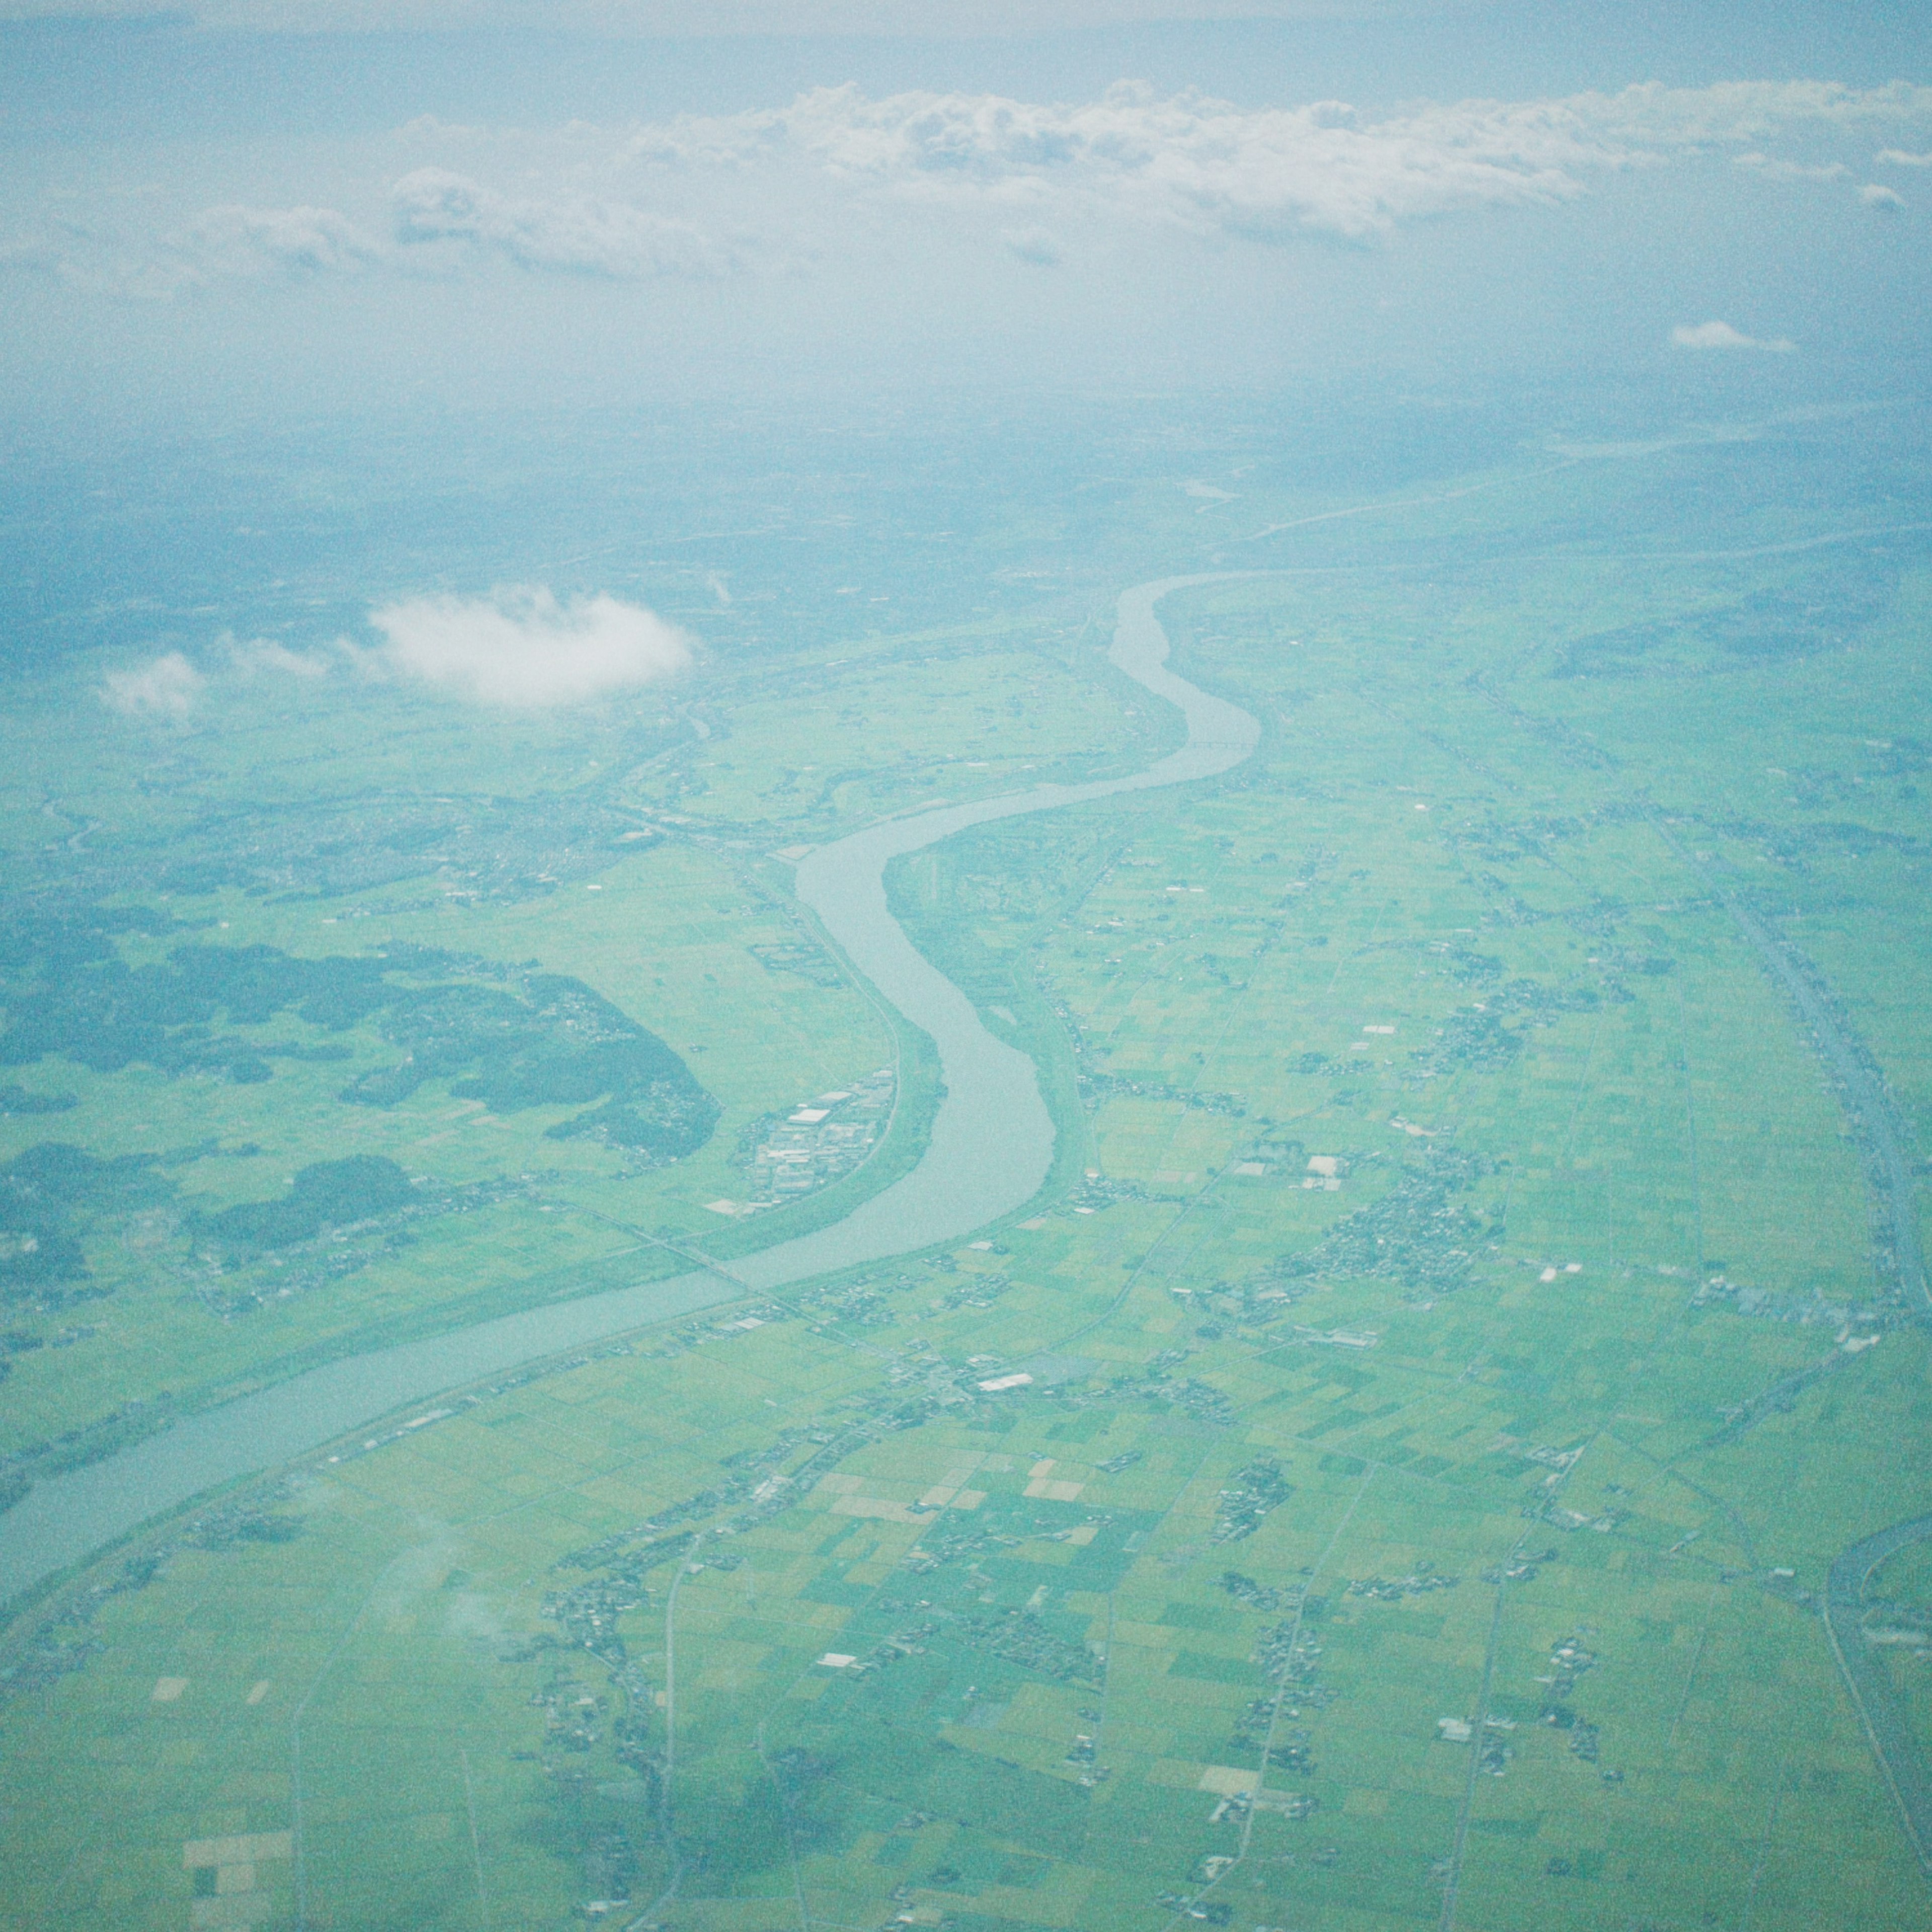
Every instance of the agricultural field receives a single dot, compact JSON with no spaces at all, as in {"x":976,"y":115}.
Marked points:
{"x":1390,"y":1475}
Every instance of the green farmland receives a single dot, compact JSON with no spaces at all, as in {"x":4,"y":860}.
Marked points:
{"x":1466,"y":1318}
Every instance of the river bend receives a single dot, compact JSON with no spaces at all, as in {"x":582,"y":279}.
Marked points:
{"x":992,"y":1147}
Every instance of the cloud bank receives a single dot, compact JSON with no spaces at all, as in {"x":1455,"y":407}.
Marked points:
{"x":838,"y":182}
{"x":520,"y":648}
{"x":1186,"y":160}
{"x":578,"y":236}
{"x":1722,"y":335}
{"x":1268,"y":172}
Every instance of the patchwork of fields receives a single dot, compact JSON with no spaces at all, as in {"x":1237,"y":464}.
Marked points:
{"x":1389,"y":1476}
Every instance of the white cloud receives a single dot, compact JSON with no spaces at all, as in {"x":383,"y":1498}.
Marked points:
{"x":1186,"y":160}
{"x":1040,"y":246}
{"x":585,"y":237}
{"x":1265,"y":172}
{"x":226,"y":243}
{"x":166,"y":688}
{"x":265,"y":654}
{"x":1774,"y":169}
{"x":1898,"y":157}
{"x":1722,"y":335}
{"x":520,"y":647}
{"x":1875,"y":194}
{"x":1745,"y":110}
{"x":238,"y":241}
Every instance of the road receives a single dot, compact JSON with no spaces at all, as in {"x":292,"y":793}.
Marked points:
{"x":1881,"y":1710}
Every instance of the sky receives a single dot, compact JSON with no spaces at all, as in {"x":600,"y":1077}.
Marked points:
{"x":291,"y":208}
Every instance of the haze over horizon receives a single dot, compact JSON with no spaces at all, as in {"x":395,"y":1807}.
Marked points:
{"x":282,"y":209}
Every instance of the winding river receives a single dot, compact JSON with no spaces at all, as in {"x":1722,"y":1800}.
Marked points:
{"x":992,"y":1147}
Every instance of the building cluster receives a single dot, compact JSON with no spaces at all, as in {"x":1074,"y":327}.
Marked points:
{"x":1248,"y":1497}
{"x":1393,"y":1589}
{"x":819,"y":1142}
